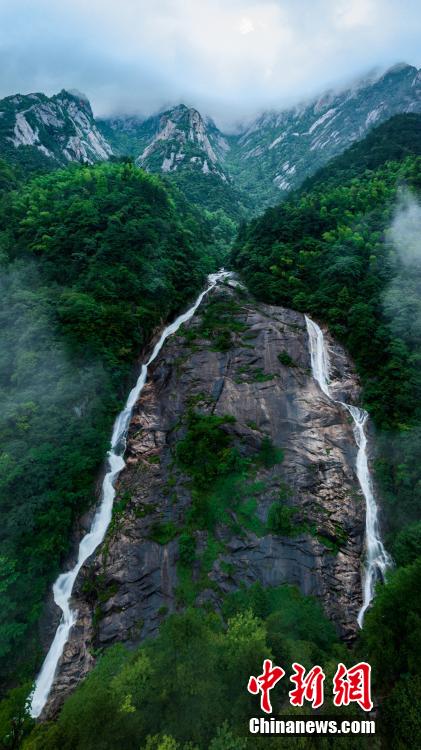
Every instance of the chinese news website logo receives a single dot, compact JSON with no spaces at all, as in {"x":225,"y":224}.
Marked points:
{"x":349,"y":685}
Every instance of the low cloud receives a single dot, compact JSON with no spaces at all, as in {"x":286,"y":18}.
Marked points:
{"x":230,"y":58}
{"x":402,"y":299}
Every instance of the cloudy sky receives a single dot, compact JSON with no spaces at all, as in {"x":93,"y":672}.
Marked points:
{"x":230,"y":58}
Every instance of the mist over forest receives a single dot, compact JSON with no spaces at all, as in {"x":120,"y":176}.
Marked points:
{"x":210,"y":381}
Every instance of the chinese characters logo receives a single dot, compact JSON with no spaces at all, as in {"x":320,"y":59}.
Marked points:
{"x":349,"y":685}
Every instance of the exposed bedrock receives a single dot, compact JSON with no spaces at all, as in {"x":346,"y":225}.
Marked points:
{"x":264,"y":381}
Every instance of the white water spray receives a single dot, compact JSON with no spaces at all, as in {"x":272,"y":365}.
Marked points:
{"x":63,"y":587}
{"x":377,"y":559}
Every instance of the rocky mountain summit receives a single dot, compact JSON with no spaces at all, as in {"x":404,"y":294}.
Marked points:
{"x":273,"y":155}
{"x":280,"y":148}
{"x":174,"y":140}
{"x":59,"y":129}
{"x":292,"y":144}
{"x":289,"y":510}
{"x":181,"y":135}
{"x":183,"y":138}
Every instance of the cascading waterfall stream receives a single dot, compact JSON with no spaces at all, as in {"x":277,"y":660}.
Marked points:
{"x":377,"y":559}
{"x":63,"y":587}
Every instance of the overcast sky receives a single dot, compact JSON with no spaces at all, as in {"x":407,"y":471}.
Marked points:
{"x":229,"y":58}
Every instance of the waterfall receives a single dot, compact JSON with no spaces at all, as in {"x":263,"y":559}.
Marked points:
{"x":63,"y":587}
{"x":377,"y":560}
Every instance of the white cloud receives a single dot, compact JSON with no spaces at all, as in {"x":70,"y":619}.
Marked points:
{"x":402,"y":298}
{"x":228,"y":57}
{"x":246,"y":26}
{"x":351,"y":14}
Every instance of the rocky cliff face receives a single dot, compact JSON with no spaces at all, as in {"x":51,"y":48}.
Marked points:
{"x":289,"y":145}
{"x":50,"y":131}
{"x":260,"y":376}
{"x":280,"y":148}
{"x":180,"y":139}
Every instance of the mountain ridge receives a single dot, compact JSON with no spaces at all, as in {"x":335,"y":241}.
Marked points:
{"x":274,"y":154}
{"x":58,"y":129}
{"x":280,"y":148}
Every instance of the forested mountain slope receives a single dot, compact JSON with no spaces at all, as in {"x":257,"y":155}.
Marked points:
{"x":326,"y":250}
{"x":93,"y":259}
{"x":279,"y":149}
{"x":394,"y":140}
{"x":346,"y":250}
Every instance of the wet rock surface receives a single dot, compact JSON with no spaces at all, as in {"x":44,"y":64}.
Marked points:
{"x":264,"y":381}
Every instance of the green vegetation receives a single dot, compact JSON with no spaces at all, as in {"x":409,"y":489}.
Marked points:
{"x":219,"y":323}
{"x":224,"y":205}
{"x":269,"y":455}
{"x":93,"y":259}
{"x":280,"y":519}
{"x":9,"y":177}
{"x":220,"y":475}
{"x":286,"y":359}
{"x":253,"y":374}
{"x":223,"y":492}
{"x":205,"y":452}
{"x":187,"y":549}
{"x":345,"y":249}
{"x":407,"y":544}
{"x":189,"y":684}
{"x":391,"y":638}
{"x":163,"y":532}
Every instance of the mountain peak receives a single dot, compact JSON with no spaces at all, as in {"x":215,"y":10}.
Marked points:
{"x":399,"y":67}
{"x":76,"y":94}
{"x":57,"y":129}
{"x":181,"y":138}
{"x":74,"y":97}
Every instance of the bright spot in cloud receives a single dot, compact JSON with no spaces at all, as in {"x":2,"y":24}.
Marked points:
{"x":228,"y":58}
{"x":246,"y":26}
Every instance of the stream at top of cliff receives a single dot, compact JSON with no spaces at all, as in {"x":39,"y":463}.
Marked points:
{"x":63,"y":586}
{"x":377,"y":559}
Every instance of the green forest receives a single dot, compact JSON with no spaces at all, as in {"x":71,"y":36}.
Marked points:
{"x":340,"y":250}
{"x":94,"y":259}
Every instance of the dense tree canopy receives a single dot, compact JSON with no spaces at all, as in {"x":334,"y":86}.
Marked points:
{"x":93,"y":259}
{"x":346,"y":250}
{"x":189,"y":684}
